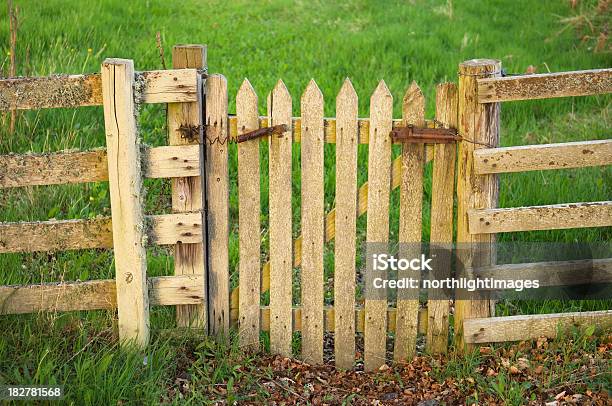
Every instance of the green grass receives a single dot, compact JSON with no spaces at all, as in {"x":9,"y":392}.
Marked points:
{"x":398,"y":41}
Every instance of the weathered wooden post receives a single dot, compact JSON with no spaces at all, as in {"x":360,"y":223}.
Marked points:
{"x":479,"y":127}
{"x":184,"y":120}
{"x":125,"y":180}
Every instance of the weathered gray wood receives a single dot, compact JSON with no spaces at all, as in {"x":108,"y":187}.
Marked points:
{"x":410,"y":224}
{"x":379,"y":179}
{"x":217,"y":193}
{"x":65,"y":235}
{"x":553,"y":273}
{"x":96,"y":294}
{"x":530,"y":327}
{"x":125,"y":184}
{"x":441,"y":236}
{"x":66,"y":167}
{"x":248,"y":218}
{"x":187,"y":196}
{"x":313,"y":216}
{"x":545,"y":86}
{"x":478,"y":124}
{"x":167,"y":86}
{"x":280,"y":212}
{"x":550,"y":217}
{"x":543,"y":157}
{"x":345,"y":220}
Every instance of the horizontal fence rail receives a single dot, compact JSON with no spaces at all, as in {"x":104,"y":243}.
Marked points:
{"x":553,"y":273}
{"x":550,"y":217}
{"x":92,"y":166}
{"x":62,"y":235}
{"x":96,"y":294}
{"x":166,"y":86}
{"x":530,"y":327}
{"x":543,"y":157}
{"x":545,"y":86}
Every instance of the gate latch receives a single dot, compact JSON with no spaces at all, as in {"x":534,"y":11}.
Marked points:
{"x":420,"y":135}
{"x":274,"y":130}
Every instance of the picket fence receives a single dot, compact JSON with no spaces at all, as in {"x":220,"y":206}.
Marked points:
{"x":196,"y":159}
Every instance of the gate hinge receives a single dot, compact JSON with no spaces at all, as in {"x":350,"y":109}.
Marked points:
{"x":413,"y":134}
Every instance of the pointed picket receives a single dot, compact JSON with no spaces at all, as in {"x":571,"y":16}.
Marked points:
{"x":345,"y":220}
{"x":410,"y":223}
{"x":281,"y":257}
{"x":379,"y":181}
{"x":442,"y":193}
{"x":247,"y":118}
{"x":313,"y":216}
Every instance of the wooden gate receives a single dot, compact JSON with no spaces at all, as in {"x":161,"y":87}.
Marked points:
{"x":201,"y":135}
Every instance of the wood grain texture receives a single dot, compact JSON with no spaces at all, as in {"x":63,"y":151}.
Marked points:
{"x":479,"y":123}
{"x":346,"y":206}
{"x":441,"y":236}
{"x":545,"y":86}
{"x":531,"y":327}
{"x":410,"y":223}
{"x":280,"y":209}
{"x":543,"y":157}
{"x":95,"y":295}
{"x":125,"y":184}
{"x":248,"y":218}
{"x":67,"y":167}
{"x":66,"y":235}
{"x":553,"y":273}
{"x":313,"y":216}
{"x":68,"y":91}
{"x":217,"y":193}
{"x":379,"y":181}
{"x":550,"y":217}
{"x":187,"y":190}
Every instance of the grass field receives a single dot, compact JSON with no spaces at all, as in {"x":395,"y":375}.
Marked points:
{"x":399,"y":42}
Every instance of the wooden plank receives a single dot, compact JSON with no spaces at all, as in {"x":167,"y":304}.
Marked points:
{"x":187,"y":191}
{"x":410,"y":224}
{"x":248,"y":218}
{"x":346,"y":206}
{"x":441,"y":236}
{"x":217,"y":192}
{"x":379,"y":179}
{"x":280,"y":213}
{"x":553,"y":273}
{"x":543,"y":157}
{"x":65,"y":235}
{"x":125,"y":184}
{"x":172,"y":162}
{"x":53,"y":169}
{"x":313,"y":216}
{"x":550,"y":217}
{"x":68,"y":167}
{"x":68,"y":91}
{"x":95,"y":295}
{"x":56,"y":235}
{"x":531,"y":327}
{"x":476,"y":123}
{"x":545,"y":86}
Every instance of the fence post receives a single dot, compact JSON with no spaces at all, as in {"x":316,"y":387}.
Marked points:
{"x":125,"y":181}
{"x":189,"y":259}
{"x":479,"y":127}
